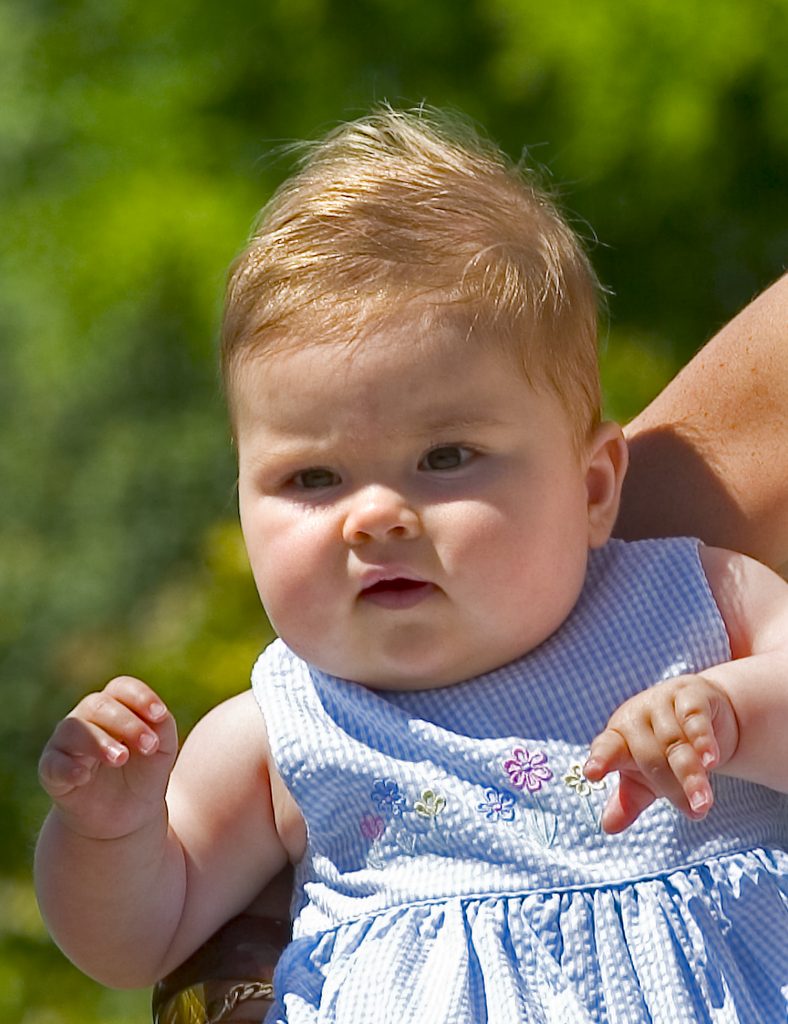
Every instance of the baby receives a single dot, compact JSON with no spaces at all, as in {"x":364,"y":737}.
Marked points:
{"x":427,"y":493}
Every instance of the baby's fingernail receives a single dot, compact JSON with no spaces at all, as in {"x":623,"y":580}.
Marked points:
{"x":115,"y":752}
{"x":699,"y":802}
{"x":147,"y":742}
{"x":157,"y":711}
{"x":708,"y":759}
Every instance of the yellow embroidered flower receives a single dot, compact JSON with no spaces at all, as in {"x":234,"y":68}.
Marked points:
{"x":430,"y":805}
{"x":577,"y":781}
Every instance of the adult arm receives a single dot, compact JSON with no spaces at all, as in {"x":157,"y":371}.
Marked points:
{"x":709,"y":456}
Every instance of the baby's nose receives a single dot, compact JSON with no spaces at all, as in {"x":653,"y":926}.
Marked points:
{"x":378,"y":513}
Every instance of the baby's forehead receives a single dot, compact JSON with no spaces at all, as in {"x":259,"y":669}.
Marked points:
{"x":415,"y":325}
{"x":408,"y":345}
{"x":402,"y":339}
{"x":395,"y":375}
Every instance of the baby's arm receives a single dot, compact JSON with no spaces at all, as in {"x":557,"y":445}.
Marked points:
{"x":730,"y":719}
{"x":131,"y":882}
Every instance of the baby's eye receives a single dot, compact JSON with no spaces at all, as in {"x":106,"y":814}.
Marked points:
{"x":446,"y":456}
{"x":315,"y":478}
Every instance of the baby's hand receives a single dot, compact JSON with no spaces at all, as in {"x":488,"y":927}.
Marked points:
{"x":664,"y":742}
{"x":107,"y":764}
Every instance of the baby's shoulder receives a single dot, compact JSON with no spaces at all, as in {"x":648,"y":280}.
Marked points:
{"x":236,"y":718}
{"x":226,"y":744}
{"x":240,"y":728}
{"x":752,"y":599}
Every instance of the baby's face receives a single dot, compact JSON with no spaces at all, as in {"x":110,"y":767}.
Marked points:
{"x":414,"y":511}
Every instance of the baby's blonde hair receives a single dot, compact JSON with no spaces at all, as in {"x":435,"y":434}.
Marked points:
{"x":416,"y":207}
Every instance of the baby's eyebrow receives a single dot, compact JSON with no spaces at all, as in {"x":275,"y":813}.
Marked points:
{"x":451,"y":421}
{"x":285,"y":451}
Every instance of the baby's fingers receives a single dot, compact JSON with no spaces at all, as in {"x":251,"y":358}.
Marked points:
{"x":683,"y":730}
{"x":125,"y":718}
{"x":73,"y":754}
{"x":131,"y":718}
{"x":60,"y":773}
{"x":694,"y":715}
{"x":628,"y":801}
{"x":609,"y":752}
{"x":664,"y":740}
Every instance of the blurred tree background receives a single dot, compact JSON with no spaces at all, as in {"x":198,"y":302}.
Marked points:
{"x":136,"y":144}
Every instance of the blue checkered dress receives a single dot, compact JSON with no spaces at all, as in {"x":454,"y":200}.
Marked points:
{"x":456,"y":871}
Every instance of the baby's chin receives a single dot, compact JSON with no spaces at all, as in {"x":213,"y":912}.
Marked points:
{"x":401,"y":678}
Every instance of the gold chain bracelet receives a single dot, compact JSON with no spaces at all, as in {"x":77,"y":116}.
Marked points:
{"x":242,"y":993}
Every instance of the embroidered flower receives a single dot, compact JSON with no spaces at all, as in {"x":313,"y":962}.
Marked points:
{"x":526,"y":770}
{"x":583,"y":788}
{"x":387,"y":797}
{"x":430,"y":805}
{"x":372,"y":827}
{"x":406,"y":825}
{"x":498,"y":805}
{"x":576,"y":780}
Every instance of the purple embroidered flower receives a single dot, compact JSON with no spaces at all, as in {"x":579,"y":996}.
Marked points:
{"x":387,"y":797}
{"x":372,"y":827}
{"x":526,"y":770}
{"x":498,"y":805}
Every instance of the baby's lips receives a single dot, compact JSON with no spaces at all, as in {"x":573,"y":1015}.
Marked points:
{"x":388,"y":577}
{"x":397,"y":583}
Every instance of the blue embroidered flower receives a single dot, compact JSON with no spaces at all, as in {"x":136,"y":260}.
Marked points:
{"x":498,"y":805}
{"x":387,"y":797}
{"x":526,"y":770}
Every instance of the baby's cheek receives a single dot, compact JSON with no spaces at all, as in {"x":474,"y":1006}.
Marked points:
{"x":293,"y":581}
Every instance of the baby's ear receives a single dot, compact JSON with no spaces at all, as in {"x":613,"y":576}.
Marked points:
{"x":606,"y":463}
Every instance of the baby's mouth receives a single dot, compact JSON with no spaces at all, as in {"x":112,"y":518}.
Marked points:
{"x":400,"y":592}
{"x":398,"y":584}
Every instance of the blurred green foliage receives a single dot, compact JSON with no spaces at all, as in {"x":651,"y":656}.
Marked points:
{"x":136,"y":144}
